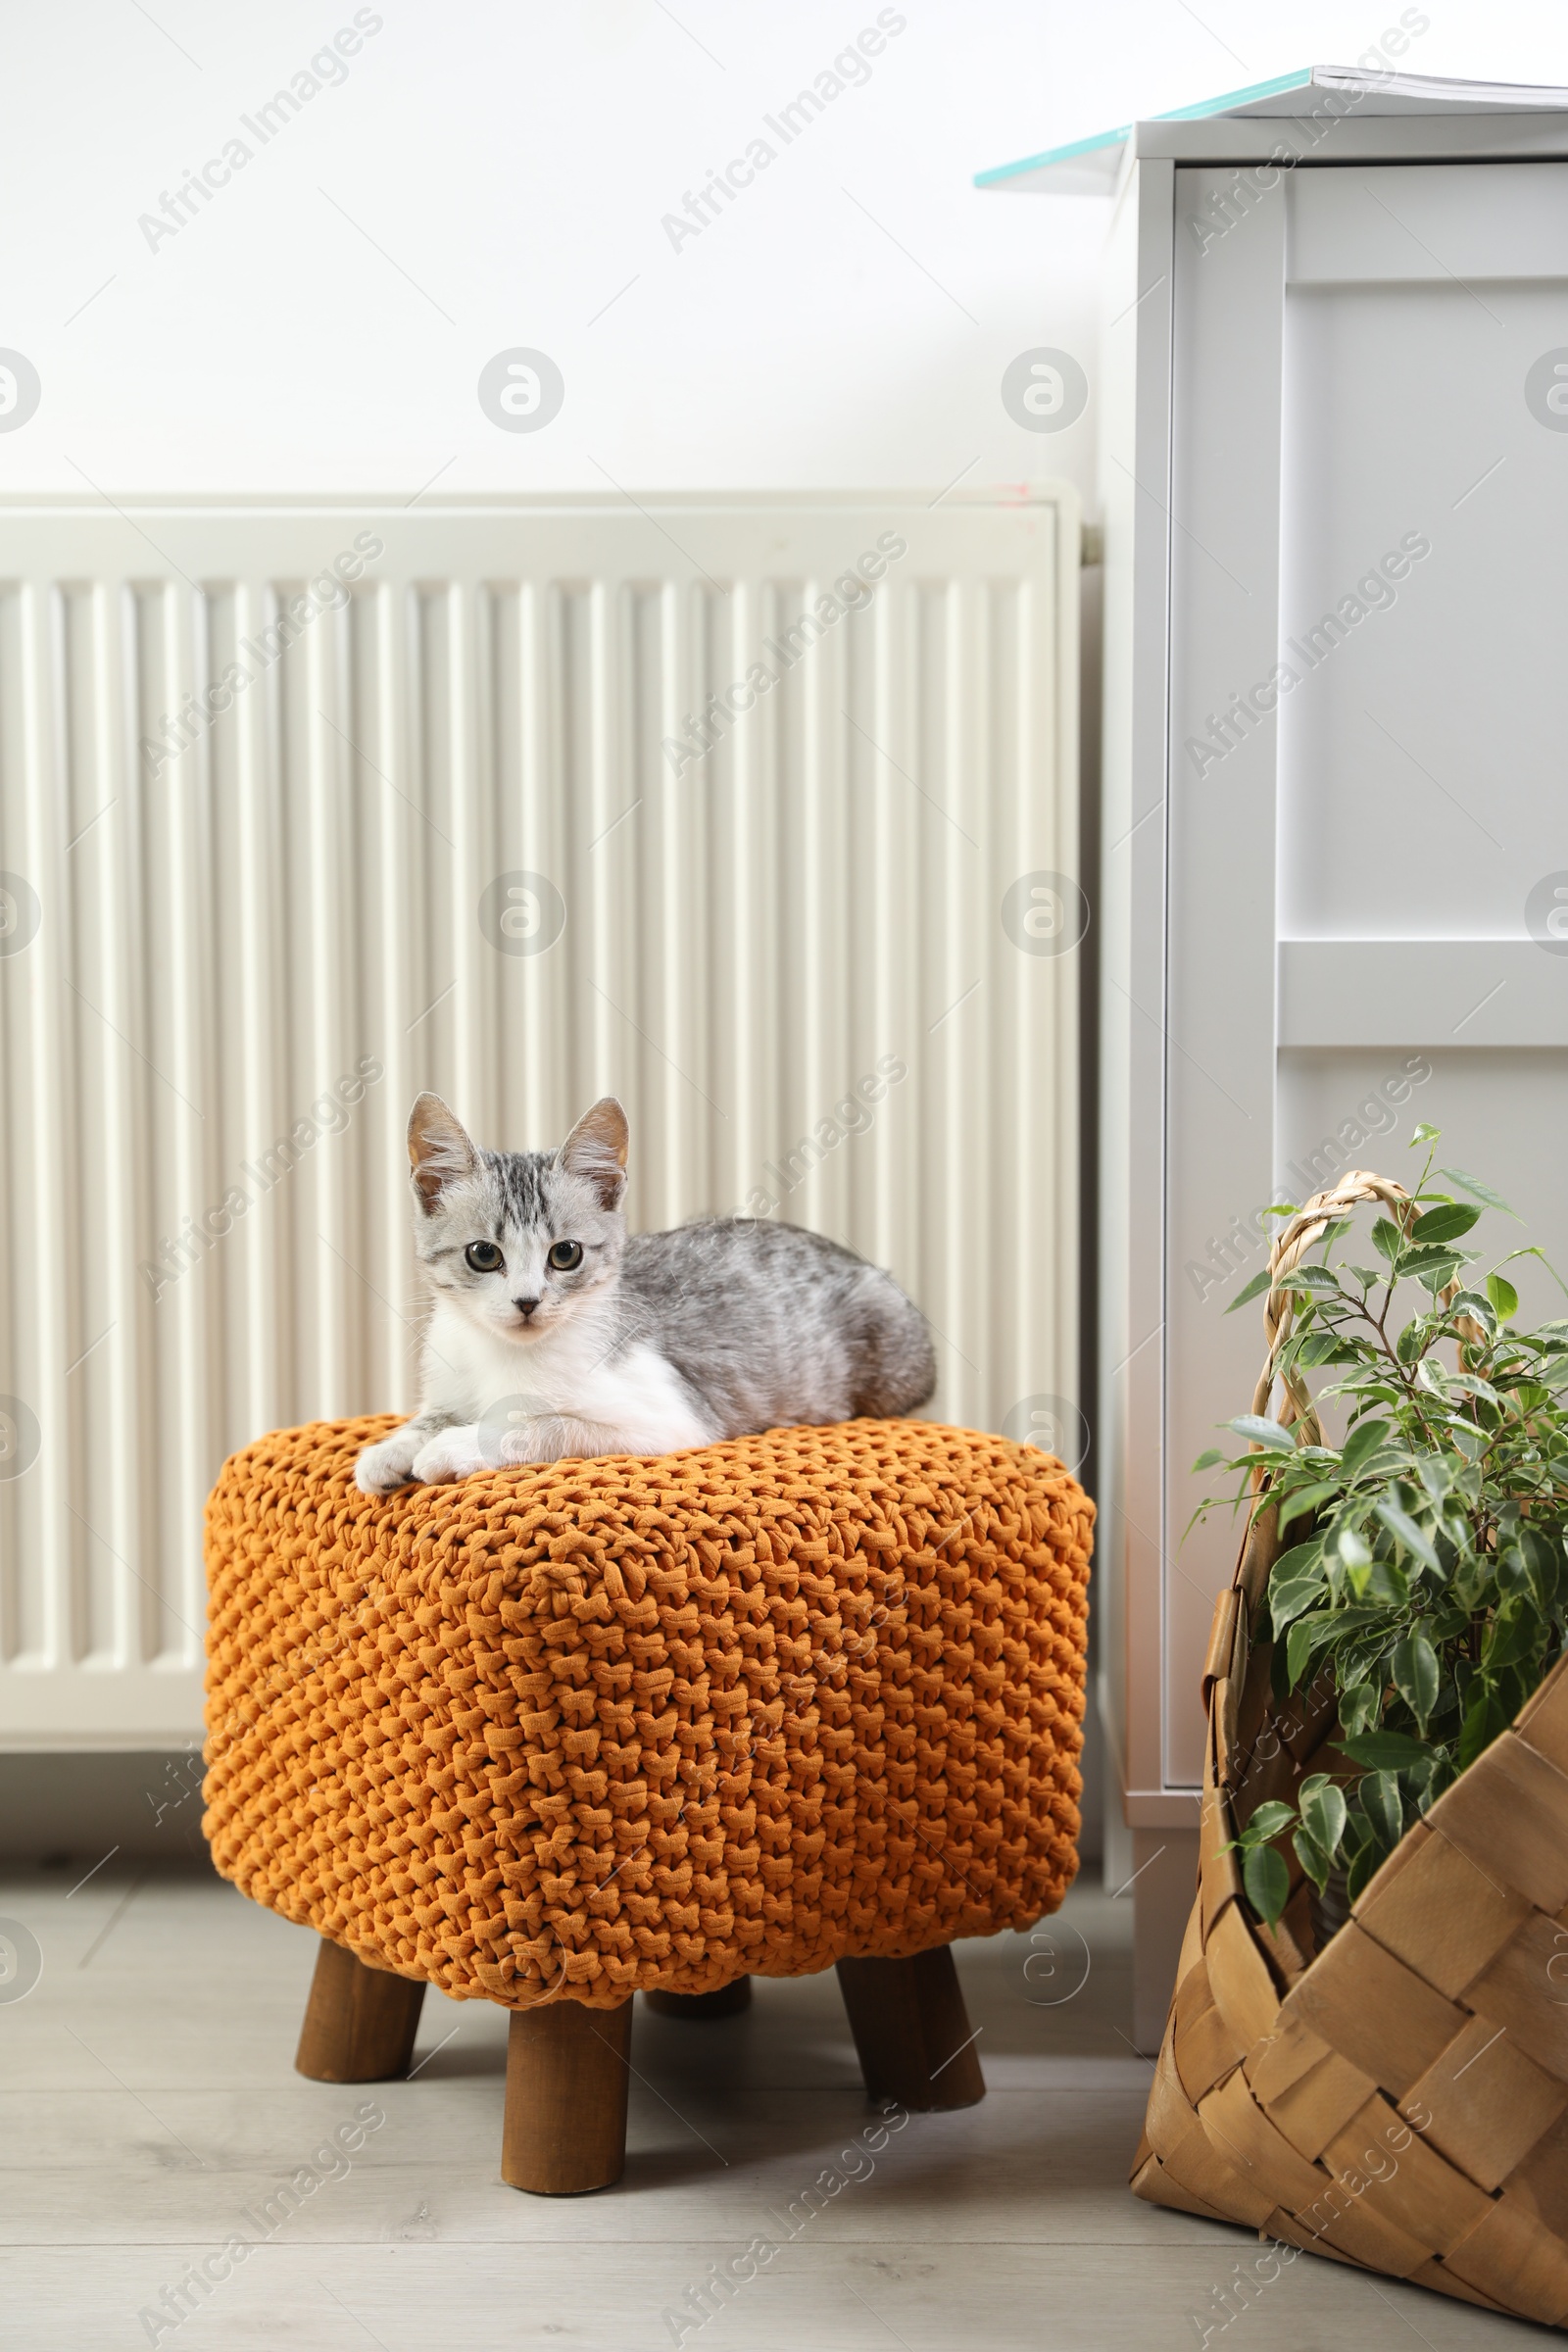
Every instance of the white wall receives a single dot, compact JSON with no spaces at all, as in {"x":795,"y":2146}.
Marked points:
{"x":514,"y":163}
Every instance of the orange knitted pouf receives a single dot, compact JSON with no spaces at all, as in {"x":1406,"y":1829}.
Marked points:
{"x":623,"y":1724}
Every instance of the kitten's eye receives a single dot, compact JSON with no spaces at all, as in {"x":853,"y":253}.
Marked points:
{"x":484,"y":1257}
{"x":564,"y":1256}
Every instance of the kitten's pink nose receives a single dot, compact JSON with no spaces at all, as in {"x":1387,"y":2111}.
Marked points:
{"x":526,"y":1306}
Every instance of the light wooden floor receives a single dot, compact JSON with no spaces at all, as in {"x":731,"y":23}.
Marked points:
{"x":149,"y":2105}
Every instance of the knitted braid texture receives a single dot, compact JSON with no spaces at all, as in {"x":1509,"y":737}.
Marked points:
{"x":565,"y":1732}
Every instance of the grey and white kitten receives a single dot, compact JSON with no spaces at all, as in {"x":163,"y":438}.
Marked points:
{"x":551,"y":1333}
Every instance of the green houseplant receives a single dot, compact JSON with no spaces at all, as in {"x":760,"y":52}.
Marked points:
{"x":1423,"y":1568}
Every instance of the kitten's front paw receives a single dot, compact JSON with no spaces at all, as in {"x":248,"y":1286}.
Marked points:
{"x":451,"y":1453}
{"x":383,"y":1469}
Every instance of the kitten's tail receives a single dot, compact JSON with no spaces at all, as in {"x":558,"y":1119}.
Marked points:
{"x":896,"y":1362}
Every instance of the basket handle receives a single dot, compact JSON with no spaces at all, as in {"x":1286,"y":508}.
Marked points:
{"x":1261,"y":1546}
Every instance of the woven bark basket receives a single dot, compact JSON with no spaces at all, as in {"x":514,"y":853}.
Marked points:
{"x":1399,"y":2102}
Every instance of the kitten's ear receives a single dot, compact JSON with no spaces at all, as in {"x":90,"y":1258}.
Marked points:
{"x":596,"y":1149}
{"x":439,"y":1149}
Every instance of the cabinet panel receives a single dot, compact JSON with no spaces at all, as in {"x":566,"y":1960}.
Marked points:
{"x":1367,"y":709}
{"x":1424,"y":589}
{"x":1220,"y":1046}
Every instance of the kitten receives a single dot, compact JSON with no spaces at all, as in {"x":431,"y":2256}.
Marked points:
{"x":552,"y":1333}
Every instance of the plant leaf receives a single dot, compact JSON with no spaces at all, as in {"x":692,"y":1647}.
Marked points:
{"x":1267,"y":1822}
{"x":1267,"y":1883}
{"x":1361,"y":1444}
{"x":1438,"y":1267}
{"x":1386,"y":1752}
{"x":1401,"y":1525}
{"x":1414,"y":1667}
{"x":1313,"y":1860}
{"x":1250,"y":1291}
{"x":1268,"y":1434}
{"x":1324,"y":1347}
{"x":1480,"y":1191}
{"x":1386,"y":1582}
{"x":1378,"y":1794}
{"x":1485,"y":1718}
{"x":1368,"y":1862}
{"x":1445,"y":1223}
{"x":1290,"y":1596}
{"x":1323,"y":1813}
{"x":1387,"y":1239}
{"x":1297,"y":1561}
{"x":1503,"y":1297}
{"x":1511,"y":1636}
{"x":1301,"y":1499}
{"x":1310,"y":1278}
{"x":1299,"y":1643}
{"x":1358,"y":1707}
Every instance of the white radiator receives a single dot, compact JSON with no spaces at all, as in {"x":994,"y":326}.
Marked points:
{"x":446,"y":819}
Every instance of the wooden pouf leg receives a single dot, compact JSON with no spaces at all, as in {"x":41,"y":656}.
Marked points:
{"x":567,"y":2081}
{"x":728,"y":2001}
{"x":360,"y":2022}
{"x":911,"y":2030}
